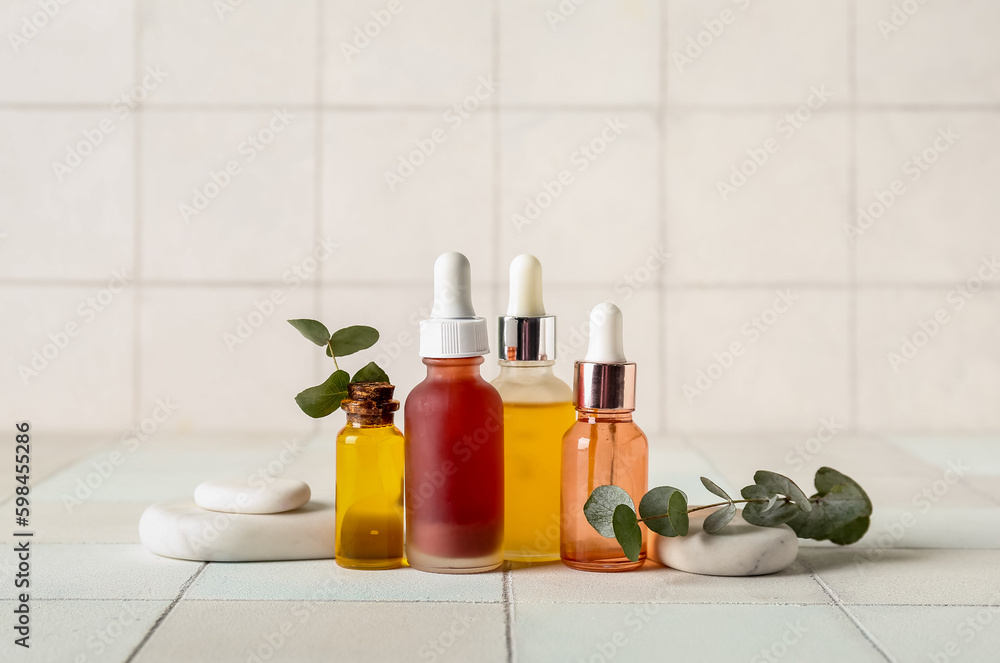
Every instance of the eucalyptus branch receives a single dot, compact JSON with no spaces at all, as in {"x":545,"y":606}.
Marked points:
{"x":840,"y":511}
{"x":700,"y":508}
{"x":324,"y":399}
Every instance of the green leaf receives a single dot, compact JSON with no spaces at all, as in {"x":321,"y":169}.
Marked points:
{"x":755,"y":492}
{"x":627,"y":531}
{"x":766,"y":513}
{"x":323,"y":399}
{"x":719,"y":519}
{"x":677,"y":508}
{"x":370,"y":372}
{"x":352,"y":339}
{"x":840,"y":513}
{"x":851,"y":532}
{"x":715,"y":489}
{"x":779,"y":483}
{"x":314,"y":330}
{"x":828,"y":478}
{"x":655,"y":509}
{"x":601,"y":505}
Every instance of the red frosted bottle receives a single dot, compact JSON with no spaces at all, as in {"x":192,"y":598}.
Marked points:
{"x":453,"y":424}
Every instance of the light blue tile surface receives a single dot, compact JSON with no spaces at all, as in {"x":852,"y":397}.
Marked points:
{"x":82,"y":631}
{"x":102,"y":571}
{"x":323,"y":580}
{"x":981,"y":454}
{"x":689,"y":633}
{"x":891,"y":576}
{"x":557,"y":583}
{"x":936,"y":634}
{"x":326,"y":632}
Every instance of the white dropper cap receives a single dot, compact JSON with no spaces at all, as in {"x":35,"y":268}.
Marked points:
{"x":605,"y":380}
{"x":525,"y":287}
{"x":526,"y":333}
{"x":605,"y":335}
{"x":453,"y":330}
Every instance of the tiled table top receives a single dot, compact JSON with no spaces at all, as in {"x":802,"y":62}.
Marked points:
{"x":924,"y":584}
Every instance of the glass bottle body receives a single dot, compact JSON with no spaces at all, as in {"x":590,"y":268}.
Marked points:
{"x":602,"y":448}
{"x":454,"y":470}
{"x":537,"y":413}
{"x":369,"y":497}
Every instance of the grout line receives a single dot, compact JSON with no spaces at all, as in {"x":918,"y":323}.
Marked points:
{"x":853,"y":367}
{"x":850,"y":615}
{"x":661,"y":185}
{"x":992,"y":287}
{"x":508,"y":611}
{"x":513,"y":603}
{"x":319,"y":147}
{"x":159,"y":620}
{"x":735,"y":108}
{"x":496,"y":138}
{"x":137,"y":285}
{"x":507,"y":593}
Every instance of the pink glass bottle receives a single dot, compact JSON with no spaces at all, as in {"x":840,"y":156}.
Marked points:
{"x":603,"y":447}
{"x":453,"y":423}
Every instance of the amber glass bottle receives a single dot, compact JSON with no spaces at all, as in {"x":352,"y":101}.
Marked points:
{"x":369,"y":480}
{"x":604,"y":447}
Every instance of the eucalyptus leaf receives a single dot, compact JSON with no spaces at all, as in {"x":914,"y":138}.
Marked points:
{"x":719,"y":519}
{"x":827,"y":478}
{"x":654,"y":507}
{"x":755,"y":492}
{"x":314,"y":330}
{"x":626,"y":528}
{"x":352,"y":339}
{"x":715,"y":489}
{"x":779,"y":483}
{"x":601,"y":505}
{"x":840,"y":513}
{"x":766,"y":513}
{"x":677,"y":508}
{"x":370,"y":372}
{"x":851,"y":532}
{"x":323,"y":399}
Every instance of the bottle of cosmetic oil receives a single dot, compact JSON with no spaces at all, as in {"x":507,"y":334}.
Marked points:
{"x":454,"y":438}
{"x":538,"y":410}
{"x":369,"y":480}
{"x":603,"y":447}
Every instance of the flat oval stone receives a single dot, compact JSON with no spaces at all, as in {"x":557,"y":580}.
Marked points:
{"x":183,"y":530}
{"x":739,"y":549}
{"x":236,"y":496}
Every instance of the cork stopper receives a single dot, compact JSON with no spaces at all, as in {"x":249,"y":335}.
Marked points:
{"x":370,"y":403}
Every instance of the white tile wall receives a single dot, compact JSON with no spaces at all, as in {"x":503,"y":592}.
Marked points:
{"x":715,"y":53}
{"x":512,"y":91}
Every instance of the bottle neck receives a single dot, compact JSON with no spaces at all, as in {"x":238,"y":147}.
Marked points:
{"x":526,"y":369}
{"x":461,"y":368}
{"x":361,"y":421}
{"x":603,"y":416}
{"x":369,"y":404}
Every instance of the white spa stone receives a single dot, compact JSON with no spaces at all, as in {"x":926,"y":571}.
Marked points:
{"x":237,"y":496}
{"x":739,"y":549}
{"x":183,"y":530}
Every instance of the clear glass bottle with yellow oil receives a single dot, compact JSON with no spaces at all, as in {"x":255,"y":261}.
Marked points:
{"x":537,"y":410}
{"x":369,"y":480}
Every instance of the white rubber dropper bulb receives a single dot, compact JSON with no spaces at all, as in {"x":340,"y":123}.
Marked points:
{"x":605,"y":335}
{"x":452,"y":287}
{"x":525,"y":287}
